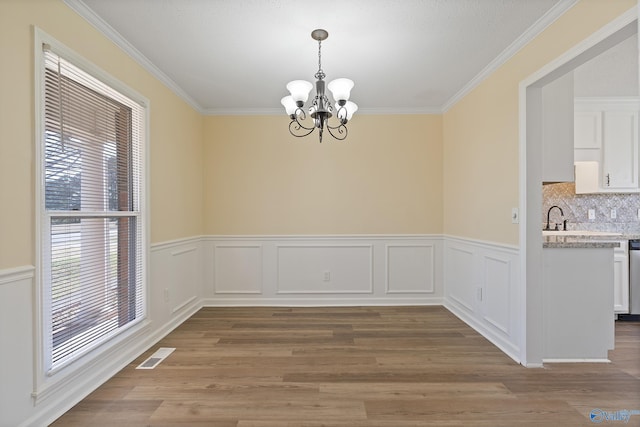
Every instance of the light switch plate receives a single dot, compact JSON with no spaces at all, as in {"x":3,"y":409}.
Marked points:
{"x":515,"y":215}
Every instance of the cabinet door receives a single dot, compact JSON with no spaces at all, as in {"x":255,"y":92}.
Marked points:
{"x":620,"y":150}
{"x":587,"y":130}
{"x":621,"y":280}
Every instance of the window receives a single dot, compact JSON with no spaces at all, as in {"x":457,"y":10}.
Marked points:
{"x":91,"y":223}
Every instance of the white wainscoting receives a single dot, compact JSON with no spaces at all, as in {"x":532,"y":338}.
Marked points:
{"x":323,"y":270}
{"x":481,"y":282}
{"x":175,"y":289}
{"x":16,"y":344}
{"x":477,"y":281}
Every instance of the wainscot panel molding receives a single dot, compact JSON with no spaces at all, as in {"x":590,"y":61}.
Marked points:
{"x":411,"y":268}
{"x":323,"y":270}
{"x":481,"y":283}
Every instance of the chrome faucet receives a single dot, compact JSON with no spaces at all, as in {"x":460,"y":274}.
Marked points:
{"x":564,"y":221}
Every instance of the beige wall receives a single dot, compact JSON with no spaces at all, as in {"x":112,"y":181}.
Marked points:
{"x":385,"y":178}
{"x":481,"y":170}
{"x":176,"y":129}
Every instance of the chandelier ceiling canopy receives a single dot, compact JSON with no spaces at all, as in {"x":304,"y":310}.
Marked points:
{"x":321,"y":109}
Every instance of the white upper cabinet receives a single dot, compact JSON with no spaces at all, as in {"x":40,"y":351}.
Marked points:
{"x":606,"y":131}
{"x":620,"y":150}
{"x":588,"y":130}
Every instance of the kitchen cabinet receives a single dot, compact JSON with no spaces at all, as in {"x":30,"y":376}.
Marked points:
{"x":621,"y":278}
{"x":620,"y":150}
{"x":606,"y":132}
{"x":557,"y":130}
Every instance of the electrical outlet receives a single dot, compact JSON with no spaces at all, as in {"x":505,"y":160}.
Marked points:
{"x":326,"y":276}
{"x":614,"y":213}
{"x":592,"y":214}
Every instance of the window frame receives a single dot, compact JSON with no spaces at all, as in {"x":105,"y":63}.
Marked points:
{"x":45,"y":379}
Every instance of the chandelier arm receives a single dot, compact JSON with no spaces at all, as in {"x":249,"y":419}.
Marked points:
{"x":341,"y":130}
{"x":300,"y":115}
{"x":296,"y":128}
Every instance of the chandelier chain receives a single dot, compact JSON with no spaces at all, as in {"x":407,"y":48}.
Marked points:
{"x":320,"y":74}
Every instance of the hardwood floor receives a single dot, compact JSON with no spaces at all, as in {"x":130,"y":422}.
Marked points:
{"x":357,"y":366}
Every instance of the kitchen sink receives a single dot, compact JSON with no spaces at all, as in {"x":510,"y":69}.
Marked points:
{"x":578,"y":233}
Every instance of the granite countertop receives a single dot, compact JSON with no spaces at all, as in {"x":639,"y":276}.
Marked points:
{"x":590,"y":241}
{"x":581,"y":241}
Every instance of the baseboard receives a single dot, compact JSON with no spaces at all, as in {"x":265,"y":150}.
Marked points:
{"x":576,"y":360}
{"x":318,"y":302}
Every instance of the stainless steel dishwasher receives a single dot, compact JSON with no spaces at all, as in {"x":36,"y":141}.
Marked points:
{"x":634,"y":277}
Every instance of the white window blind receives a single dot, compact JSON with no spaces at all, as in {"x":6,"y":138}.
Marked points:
{"x":92,"y":224}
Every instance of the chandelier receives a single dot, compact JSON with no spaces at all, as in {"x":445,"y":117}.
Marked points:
{"x":321,"y":109}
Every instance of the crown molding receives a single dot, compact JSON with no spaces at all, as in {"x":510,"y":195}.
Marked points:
{"x":532,"y":32}
{"x":101,"y":25}
{"x":280,"y":112}
{"x":273,"y":111}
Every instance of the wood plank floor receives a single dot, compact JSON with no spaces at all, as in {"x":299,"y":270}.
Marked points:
{"x":356,"y":366}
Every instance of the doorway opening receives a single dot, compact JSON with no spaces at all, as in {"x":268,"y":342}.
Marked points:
{"x":531,"y":174}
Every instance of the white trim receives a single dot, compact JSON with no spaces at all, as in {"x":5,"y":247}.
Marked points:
{"x":279,"y":112}
{"x":184,"y":251}
{"x":608,"y":102}
{"x":576,"y":361}
{"x":503,"y":247}
{"x":184,"y":304}
{"x":12,"y":275}
{"x":172,"y":243}
{"x":533,"y":365}
{"x":319,"y":302}
{"x":298,"y":237}
{"x":386,"y":111}
{"x":532,"y":32}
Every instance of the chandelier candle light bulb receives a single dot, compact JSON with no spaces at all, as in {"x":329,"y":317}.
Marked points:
{"x":321,"y":109}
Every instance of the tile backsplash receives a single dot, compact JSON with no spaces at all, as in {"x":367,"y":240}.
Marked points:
{"x":576,"y":209}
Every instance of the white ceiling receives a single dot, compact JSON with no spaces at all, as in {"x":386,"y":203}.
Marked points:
{"x":236,"y":56}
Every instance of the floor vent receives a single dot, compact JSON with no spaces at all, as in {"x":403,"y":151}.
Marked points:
{"x":157,"y":357}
